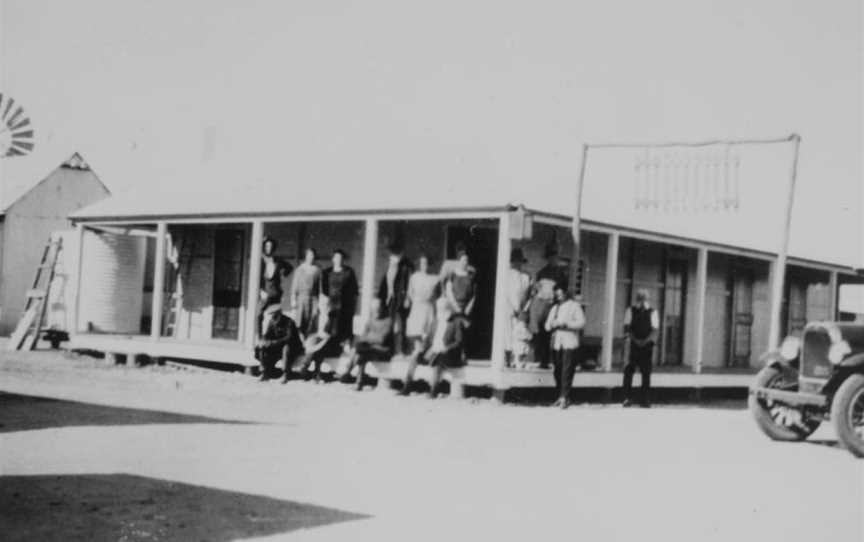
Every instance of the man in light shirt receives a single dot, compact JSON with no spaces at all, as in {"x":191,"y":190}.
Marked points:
{"x":564,"y":322}
{"x":641,"y":323}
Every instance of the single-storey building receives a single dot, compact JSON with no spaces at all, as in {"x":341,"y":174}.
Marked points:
{"x":199,"y":253}
{"x":40,"y":191}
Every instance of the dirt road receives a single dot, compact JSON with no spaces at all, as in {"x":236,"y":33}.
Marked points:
{"x":160,"y":454}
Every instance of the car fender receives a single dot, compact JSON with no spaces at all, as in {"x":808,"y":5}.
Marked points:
{"x":853,"y":361}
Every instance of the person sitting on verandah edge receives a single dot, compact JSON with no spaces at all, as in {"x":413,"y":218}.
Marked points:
{"x":324,"y":342}
{"x":447,"y":349}
{"x":376,"y":343}
{"x":278,"y":339}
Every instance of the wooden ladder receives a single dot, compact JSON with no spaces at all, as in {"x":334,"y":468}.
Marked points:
{"x":26,"y":333}
{"x":175,"y":300}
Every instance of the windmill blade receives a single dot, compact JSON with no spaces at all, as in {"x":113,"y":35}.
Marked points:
{"x":23,"y":135}
{"x":23,"y":144}
{"x":14,"y":118}
{"x":9,"y":105}
{"x":14,"y":152}
{"x":24,"y":122}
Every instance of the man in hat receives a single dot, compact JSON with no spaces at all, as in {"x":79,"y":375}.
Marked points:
{"x":565,"y":321}
{"x":550,"y":276}
{"x":278,"y":339}
{"x":640,"y":326}
{"x":518,"y":288}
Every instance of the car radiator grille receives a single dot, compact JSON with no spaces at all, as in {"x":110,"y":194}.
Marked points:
{"x":814,"y":354}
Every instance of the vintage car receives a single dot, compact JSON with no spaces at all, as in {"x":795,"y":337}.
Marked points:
{"x":816,"y":378}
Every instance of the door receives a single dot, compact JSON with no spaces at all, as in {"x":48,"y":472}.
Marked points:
{"x":481,"y":241}
{"x":742,"y":316}
{"x":674,"y":303}
{"x":227,"y":283}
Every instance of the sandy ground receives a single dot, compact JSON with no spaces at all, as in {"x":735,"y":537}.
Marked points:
{"x":156,"y":453}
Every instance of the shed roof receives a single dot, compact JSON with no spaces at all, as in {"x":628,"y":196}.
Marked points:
{"x":20,"y":174}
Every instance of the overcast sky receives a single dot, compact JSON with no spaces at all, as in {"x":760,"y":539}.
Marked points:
{"x":487,"y":92}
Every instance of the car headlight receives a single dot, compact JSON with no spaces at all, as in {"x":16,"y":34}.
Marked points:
{"x":838,"y":351}
{"x":790,"y":347}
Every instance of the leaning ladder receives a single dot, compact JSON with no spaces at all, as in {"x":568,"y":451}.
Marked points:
{"x":26,"y":333}
{"x":175,"y":300}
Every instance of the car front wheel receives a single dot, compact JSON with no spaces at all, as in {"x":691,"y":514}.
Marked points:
{"x":847,"y":413}
{"x":777,"y":420}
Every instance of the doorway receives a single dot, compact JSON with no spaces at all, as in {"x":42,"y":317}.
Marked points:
{"x":742,"y":279}
{"x":481,"y":242}
{"x":674,"y":303}
{"x":229,"y":248}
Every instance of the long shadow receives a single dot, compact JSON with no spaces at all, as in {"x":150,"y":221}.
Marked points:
{"x":125,"y":507}
{"x":24,"y":412}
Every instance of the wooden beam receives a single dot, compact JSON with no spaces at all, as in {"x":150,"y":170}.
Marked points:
{"x":500,"y":315}
{"x":158,"y":282}
{"x":701,"y":306}
{"x":779,"y":267}
{"x":253,"y":287}
{"x":609,"y":300}
{"x":367,"y":278}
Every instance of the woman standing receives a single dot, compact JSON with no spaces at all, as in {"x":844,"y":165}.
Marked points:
{"x":305,"y":290}
{"x":460,"y":285}
{"x":423,"y":290}
{"x":339,"y":285}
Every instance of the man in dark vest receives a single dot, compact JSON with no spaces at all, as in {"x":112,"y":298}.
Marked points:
{"x":640,"y":326}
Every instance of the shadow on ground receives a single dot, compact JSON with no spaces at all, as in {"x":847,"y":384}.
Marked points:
{"x":24,"y":412}
{"x":125,"y":507}
{"x":708,"y":398}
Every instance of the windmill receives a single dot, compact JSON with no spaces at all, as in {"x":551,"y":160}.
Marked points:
{"x":16,"y":134}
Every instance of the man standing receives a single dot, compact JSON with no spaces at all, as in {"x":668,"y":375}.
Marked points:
{"x":273,"y":270}
{"x":278,"y":339}
{"x":393,"y":294}
{"x":565,"y":321}
{"x":550,"y":276}
{"x":640,"y":326}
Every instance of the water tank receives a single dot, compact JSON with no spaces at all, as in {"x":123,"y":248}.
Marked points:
{"x":112,"y":283}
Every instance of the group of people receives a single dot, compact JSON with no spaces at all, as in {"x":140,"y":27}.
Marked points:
{"x":416,"y":313}
{"x":426,"y":317}
{"x":546,"y":321}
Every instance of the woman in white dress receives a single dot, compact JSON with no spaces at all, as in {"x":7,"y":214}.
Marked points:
{"x":423,"y":290}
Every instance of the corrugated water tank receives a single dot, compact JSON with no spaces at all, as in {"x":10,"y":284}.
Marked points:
{"x":112,"y":283}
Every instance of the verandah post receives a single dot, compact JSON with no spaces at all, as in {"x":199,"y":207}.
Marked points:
{"x":254,"y":285}
{"x":500,"y":314}
{"x":367,"y":279}
{"x":609,"y":300}
{"x":158,"y":282}
{"x":701,"y":306}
